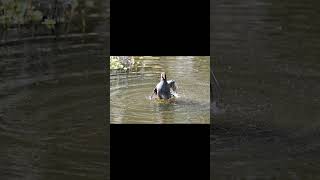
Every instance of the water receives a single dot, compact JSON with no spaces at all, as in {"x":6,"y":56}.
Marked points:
{"x":129,"y":93}
{"x":52,"y":117}
{"x":266,"y":60}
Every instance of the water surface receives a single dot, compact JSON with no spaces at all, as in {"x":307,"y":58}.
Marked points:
{"x":129,"y":92}
{"x":266,"y":60}
{"x":52,"y":111}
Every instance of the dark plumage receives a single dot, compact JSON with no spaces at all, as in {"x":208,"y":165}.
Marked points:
{"x":162,"y":89}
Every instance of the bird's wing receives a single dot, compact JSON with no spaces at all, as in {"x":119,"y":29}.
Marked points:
{"x":172,"y":85}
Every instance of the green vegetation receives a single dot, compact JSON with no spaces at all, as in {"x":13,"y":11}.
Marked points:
{"x":115,"y":63}
{"x":31,"y":16}
{"x":50,"y":23}
{"x":10,"y":14}
{"x":127,"y":62}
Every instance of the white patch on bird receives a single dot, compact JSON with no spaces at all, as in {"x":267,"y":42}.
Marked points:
{"x":175,"y":94}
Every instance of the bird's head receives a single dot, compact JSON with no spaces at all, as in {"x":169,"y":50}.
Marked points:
{"x":163,"y":76}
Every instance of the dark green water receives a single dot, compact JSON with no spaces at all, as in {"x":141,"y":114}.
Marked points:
{"x":266,"y":60}
{"x":52,"y":111}
{"x":129,"y":93}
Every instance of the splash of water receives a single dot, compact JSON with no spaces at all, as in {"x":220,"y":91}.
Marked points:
{"x":175,"y":94}
{"x":162,"y":101}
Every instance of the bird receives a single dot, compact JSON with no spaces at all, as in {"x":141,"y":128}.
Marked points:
{"x":162,"y":89}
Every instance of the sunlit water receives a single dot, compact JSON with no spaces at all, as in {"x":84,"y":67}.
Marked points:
{"x":130,"y":93}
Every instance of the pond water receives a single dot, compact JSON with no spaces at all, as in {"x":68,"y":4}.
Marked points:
{"x":129,"y":92}
{"x":266,"y":60}
{"x":47,"y":129}
{"x":52,"y":111}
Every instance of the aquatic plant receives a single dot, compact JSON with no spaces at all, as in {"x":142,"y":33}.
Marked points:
{"x":7,"y":15}
{"x":115,"y":63}
{"x":83,"y":21}
{"x":33,"y":17}
{"x":5,"y":21}
{"x":15,"y":11}
{"x":36,"y":16}
{"x":49,"y":23}
{"x":121,"y":62}
{"x":80,"y":9}
{"x":84,"y":6}
{"x":68,"y":12}
{"x":31,"y":14}
{"x":11,"y":13}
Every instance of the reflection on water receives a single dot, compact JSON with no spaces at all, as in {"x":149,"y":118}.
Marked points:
{"x":52,"y":114}
{"x":266,"y":60}
{"x":129,"y":92}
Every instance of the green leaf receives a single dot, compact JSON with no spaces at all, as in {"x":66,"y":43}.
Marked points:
{"x":50,"y":23}
{"x":36,"y":16}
